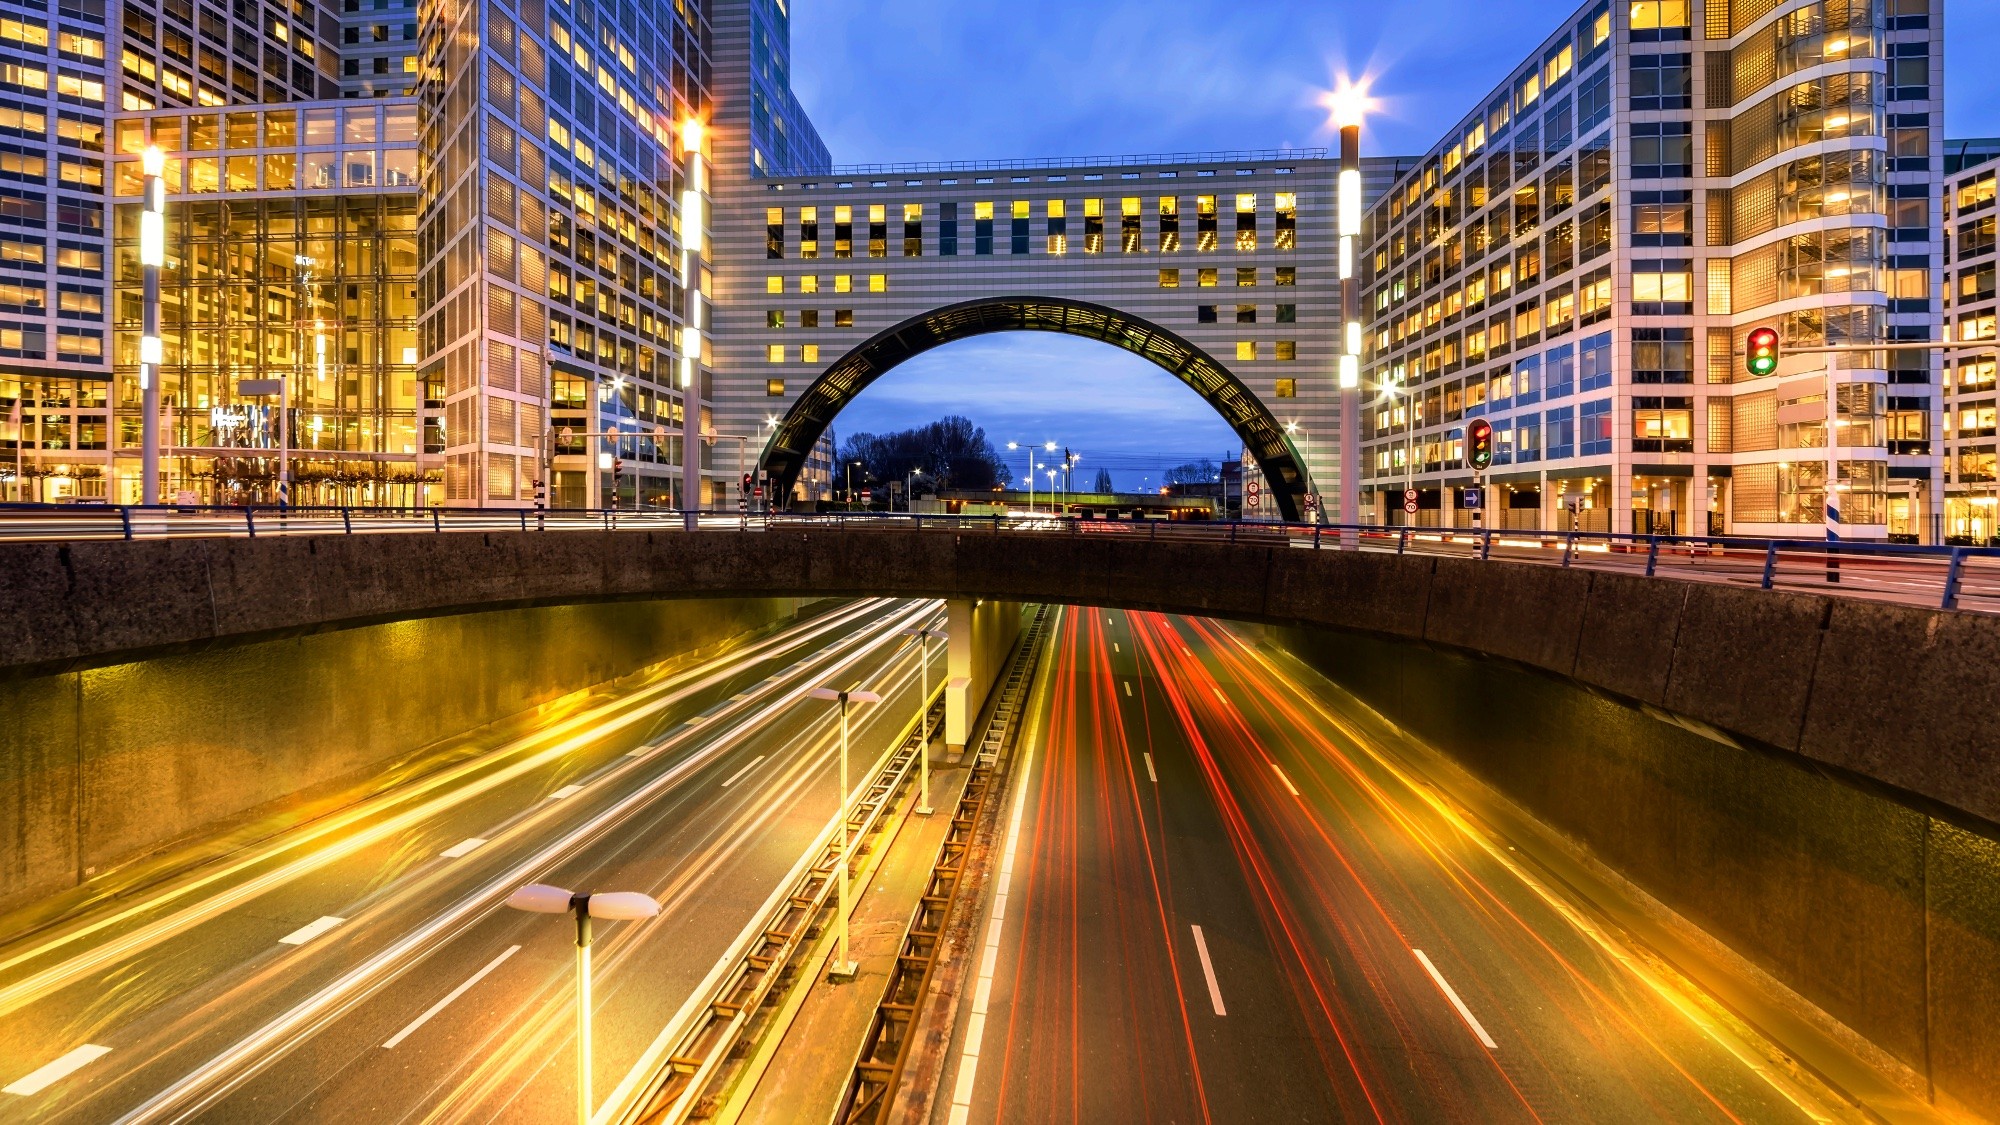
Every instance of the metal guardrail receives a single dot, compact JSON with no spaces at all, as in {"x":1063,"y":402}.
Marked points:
{"x":1055,"y":163}
{"x":885,"y":1048}
{"x":771,"y":955}
{"x":1965,"y":578}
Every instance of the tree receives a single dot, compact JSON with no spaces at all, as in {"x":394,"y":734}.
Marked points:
{"x":1104,"y":485}
{"x":951,"y":452}
{"x":1194,"y":472}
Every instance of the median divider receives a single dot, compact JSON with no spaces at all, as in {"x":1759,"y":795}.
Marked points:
{"x":697,"y":1055}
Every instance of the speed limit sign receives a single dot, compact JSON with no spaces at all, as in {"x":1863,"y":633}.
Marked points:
{"x":1410,"y":501}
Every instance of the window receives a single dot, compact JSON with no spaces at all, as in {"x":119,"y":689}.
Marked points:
{"x":1170,"y":224}
{"x":1246,"y":223}
{"x":1655,"y":20}
{"x":809,"y":283}
{"x":1662,"y":82}
{"x":1560,"y":428}
{"x":1662,"y":218}
{"x":1593,"y":425}
{"x":1246,"y":350}
{"x":843,"y":318}
{"x":1594,"y":362}
{"x":843,"y":283}
{"x":1593,"y":166}
{"x":1975,"y":194}
{"x":1663,"y":288}
{"x":774,"y":284}
{"x":808,"y":318}
{"x":1593,"y":100}
{"x":774,"y":353}
{"x":1170,"y":279}
{"x":1662,"y":425}
{"x":1287,"y":351}
{"x":1662,"y":150}
{"x":878,"y":283}
{"x":1246,"y":277}
{"x":1208,"y":278}
{"x":1288,"y":314}
{"x":1204,"y":314}
{"x":774,"y":318}
{"x":1019,"y":240}
{"x":809,"y":353}
{"x":774,"y":233}
{"x":1205,"y":224}
{"x":1559,"y":371}
{"x":1288,"y":275}
{"x":1246,"y":314}
{"x":948,"y":229}
{"x":1058,"y":231}
{"x":1663,"y":355}
{"x":913,"y":230}
{"x":1286,"y":388}
{"x":774,"y":387}
{"x":982,"y":228}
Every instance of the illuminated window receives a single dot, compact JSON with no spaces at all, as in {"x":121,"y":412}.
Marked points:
{"x":1649,"y":15}
{"x":878,"y":283}
{"x":1205,"y":224}
{"x":774,"y":353}
{"x":1246,"y":350}
{"x":774,"y":318}
{"x":1288,"y":220}
{"x":1131,"y":239}
{"x":1170,"y":279}
{"x":774,"y":387}
{"x":774,"y":284}
{"x":1246,"y":277}
{"x":843,"y":318}
{"x":1286,"y":388}
{"x":1246,"y":222}
{"x":1208,"y":278}
{"x":809,"y":353}
{"x":1288,"y":275}
{"x":809,"y":283}
{"x":1170,"y":224}
{"x":1093,"y":226}
{"x":1246,"y":314}
{"x":843,"y":283}
{"x":1287,"y":351}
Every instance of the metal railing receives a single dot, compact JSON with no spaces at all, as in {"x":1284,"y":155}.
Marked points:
{"x":1057,"y":163}
{"x":1965,"y":578}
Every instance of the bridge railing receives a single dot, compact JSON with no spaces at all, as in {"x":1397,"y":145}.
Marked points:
{"x":1947,"y":577}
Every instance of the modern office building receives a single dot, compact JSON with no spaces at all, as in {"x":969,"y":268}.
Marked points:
{"x":1580,"y":259}
{"x":1972,"y":487}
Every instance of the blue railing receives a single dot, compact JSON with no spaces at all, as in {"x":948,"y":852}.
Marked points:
{"x":1947,"y":577}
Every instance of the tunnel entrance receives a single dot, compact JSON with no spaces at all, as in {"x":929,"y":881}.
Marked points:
{"x":1276,"y":456}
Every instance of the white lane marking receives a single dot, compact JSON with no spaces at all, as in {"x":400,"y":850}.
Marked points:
{"x":1149,"y":767}
{"x":1286,"y":780}
{"x":1451,"y":994}
{"x":463,"y":848}
{"x":738,"y":775}
{"x":1208,"y":970}
{"x":1128,"y":689}
{"x":565,"y":792}
{"x":454,"y":994}
{"x":1115,"y":648}
{"x":57,"y":1071}
{"x":989,"y":959}
{"x":310,"y":931}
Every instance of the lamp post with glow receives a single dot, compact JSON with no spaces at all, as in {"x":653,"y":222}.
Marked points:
{"x":1350,"y":105}
{"x":616,"y":906}
{"x":152,"y":255}
{"x":694,"y":238}
{"x":843,"y":965}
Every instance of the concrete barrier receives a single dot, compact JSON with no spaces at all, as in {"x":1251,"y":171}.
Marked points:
{"x":105,"y":765}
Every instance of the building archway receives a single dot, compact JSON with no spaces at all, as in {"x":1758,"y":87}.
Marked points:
{"x":1284,"y":472}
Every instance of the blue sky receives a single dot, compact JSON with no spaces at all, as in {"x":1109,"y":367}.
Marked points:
{"x":912,"y":80}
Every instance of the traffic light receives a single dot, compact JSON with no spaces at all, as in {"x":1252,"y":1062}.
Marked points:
{"x":1479,"y":444}
{"x":1761,"y":354}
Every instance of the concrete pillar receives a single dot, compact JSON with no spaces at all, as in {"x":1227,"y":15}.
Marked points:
{"x":981,"y":635}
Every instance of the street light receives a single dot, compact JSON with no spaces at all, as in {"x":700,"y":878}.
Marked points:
{"x":1349,"y":105}
{"x":924,"y":635}
{"x":616,"y":906}
{"x":152,"y":255}
{"x":843,"y":965}
{"x":909,"y":493}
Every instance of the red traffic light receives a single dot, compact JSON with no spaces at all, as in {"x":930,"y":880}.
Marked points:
{"x":1479,"y":444}
{"x":1761,"y":354}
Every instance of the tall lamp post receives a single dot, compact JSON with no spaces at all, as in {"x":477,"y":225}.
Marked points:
{"x":1350,"y":105}
{"x":843,"y":964}
{"x":923,"y":636}
{"x":694,"y":238}
{"x":152,"y":255}
{"x":616,"y":906}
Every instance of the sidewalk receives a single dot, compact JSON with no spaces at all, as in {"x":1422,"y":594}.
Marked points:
{"x":807,"y":1072}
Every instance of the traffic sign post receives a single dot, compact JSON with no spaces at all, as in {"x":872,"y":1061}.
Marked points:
{"x":1478,"y":458}
{"x":1409,"y":503}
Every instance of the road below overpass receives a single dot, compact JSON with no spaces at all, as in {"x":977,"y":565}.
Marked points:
{"x":1221,"y":899}
{"x":363,"y":969}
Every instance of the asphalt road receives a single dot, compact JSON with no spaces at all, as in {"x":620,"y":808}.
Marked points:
{"x":1218,"y":902}
{"x":363,"y":968}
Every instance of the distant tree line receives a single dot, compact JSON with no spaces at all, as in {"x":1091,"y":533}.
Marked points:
{"x":952,"y":452}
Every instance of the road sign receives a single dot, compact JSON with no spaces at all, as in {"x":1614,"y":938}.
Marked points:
{"x":1410,"y":501}
{"x":566,"y":435}
{"x":1472,"y":499}
{"x":867,"y":496}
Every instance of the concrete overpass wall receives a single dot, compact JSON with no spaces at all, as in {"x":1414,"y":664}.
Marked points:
{"x":102,"y":766}
{"x":982,"y":634}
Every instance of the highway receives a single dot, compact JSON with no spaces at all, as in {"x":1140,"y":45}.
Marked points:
{"x":362,"y":967}
{"x":1220,"y":899}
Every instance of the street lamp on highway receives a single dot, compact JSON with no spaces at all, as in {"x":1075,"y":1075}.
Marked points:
{"x":615,"y":906}
{"x":924,"y":635}
{"x":843,"y":964}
